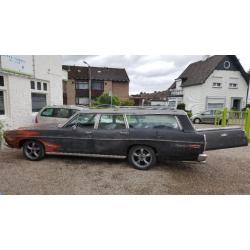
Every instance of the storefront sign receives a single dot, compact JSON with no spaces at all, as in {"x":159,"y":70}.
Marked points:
{"x":17,"y":64}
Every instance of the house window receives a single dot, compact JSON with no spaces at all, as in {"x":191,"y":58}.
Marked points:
{"x":217,"y":84}
{"x":32,"y":85}
{"x":82,"y":100}
{"x":45,"y":86}
{"x":233,"y":85}
{"x":97,"y":85}
{"x":82,"y":85}
{"x":2,"y":109}
{"x":1,"y":81}
{"x":38,"y":101}
{"x":39,"y":86}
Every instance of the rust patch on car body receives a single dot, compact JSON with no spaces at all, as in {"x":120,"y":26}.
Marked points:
{"x":14,"y":137}
{"x":50,"y":147}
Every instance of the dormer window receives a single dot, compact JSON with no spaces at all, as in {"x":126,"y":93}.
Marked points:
{"x":217,"y":85}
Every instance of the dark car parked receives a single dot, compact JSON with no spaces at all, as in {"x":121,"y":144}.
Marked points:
{"x":143,"y":136}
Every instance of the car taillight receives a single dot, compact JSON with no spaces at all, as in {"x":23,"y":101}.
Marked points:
{"x":36,"y":120}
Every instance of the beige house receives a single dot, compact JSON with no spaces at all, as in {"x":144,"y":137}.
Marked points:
{"x":114,"y":81}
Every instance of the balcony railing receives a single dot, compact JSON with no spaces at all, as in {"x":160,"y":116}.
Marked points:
{"x":176,"y":92}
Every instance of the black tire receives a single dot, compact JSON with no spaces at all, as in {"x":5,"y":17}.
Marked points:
{"x":142,"y":157}
{"x":197,"y":120}
{"x":33,"y":150}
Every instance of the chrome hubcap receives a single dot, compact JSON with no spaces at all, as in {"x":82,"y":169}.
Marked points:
{"x":33,"y":150}
{"x":142,"y":157}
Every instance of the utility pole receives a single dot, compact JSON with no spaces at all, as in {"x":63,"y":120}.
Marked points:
{"x":89,"y":71}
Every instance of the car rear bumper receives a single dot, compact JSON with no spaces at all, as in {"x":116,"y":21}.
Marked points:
{"x":202,"y":157}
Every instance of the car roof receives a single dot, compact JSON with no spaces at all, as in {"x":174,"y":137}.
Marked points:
{"x":66,"y":107}
{"x":135,"y":111}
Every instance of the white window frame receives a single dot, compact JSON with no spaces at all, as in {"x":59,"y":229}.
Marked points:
{"x":215,"y":85}
{"x":42,"y":91}
{"x":4,"y":90}
{"x":231,"y":87}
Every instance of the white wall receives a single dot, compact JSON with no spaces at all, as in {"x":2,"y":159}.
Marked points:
{"x":18,"y":104}
{"x":195,"y":97}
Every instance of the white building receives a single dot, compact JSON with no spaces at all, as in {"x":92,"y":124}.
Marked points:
{"x":213,"y":83}
{"x":27,"y":83}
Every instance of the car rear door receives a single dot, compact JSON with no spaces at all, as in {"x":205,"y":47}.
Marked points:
{"x":111,"y":135}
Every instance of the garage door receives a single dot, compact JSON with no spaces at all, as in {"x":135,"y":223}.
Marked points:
{"x":215,"y":103}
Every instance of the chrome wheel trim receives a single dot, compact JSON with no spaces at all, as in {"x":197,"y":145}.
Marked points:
{"x":32,"y":150}
{"x":141,"y":157}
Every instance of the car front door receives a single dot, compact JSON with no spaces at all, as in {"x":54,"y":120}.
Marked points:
{"x":77,"y":135}
{"x":111,"y":135}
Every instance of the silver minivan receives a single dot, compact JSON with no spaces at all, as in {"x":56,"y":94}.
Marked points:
{"x":56,"y":113}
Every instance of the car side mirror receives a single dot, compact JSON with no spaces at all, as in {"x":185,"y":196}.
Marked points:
{"x":74,"y":127}
{"x":60,"y":125}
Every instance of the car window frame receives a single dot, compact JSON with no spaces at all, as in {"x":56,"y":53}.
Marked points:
{"x":78,"y":114}
{"x":124,"y":118}
{"x":180,"y":128}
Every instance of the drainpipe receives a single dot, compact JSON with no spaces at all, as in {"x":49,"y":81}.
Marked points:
{"x":248,"y":88}
{"x":33,"y":66}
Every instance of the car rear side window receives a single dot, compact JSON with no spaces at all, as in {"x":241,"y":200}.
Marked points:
{"x":62,"y":113}
{"x":48,"y":112}
{"x":153,"y":121}
{"x":110,"y":121}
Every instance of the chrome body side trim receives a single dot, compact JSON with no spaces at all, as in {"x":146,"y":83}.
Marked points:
{"x":88,"y":155}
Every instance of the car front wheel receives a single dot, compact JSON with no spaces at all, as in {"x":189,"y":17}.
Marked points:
{"x":33,"y":150}
{"x":142,"y":157}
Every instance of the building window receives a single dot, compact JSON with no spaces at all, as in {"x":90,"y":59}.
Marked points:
{"x":233,"y":85}
{"x":97,"y":85}
{"x":38,"y":101}
{"x":2,"y":109}
{"x":45,"y":86}
{"x":82,"y":100}
{"x":39,"y":86}
{"x":217,"y":84}
{"x":82,"y":85}
{"x":32,"y":85}
{"x":1,"y":81}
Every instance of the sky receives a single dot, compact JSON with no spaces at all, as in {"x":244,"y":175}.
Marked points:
{"x":147,"y":73}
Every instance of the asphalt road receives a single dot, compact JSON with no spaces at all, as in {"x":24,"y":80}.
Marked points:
{"x":226,"y":172}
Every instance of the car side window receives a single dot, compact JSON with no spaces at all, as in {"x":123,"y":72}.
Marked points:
{"x":111,"y":121}
{"x":153,"y":121}
{"x":86,"y":120}
{"x":82,"y":121}
{"x":62,"y":113}
{"x":48,"y":112}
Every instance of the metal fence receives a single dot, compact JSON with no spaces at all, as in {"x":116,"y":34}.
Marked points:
{"x":232,"y":117}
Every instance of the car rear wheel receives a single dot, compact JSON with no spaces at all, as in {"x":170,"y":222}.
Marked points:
{"x":142,"y":157}
{"x":33,"y":150}
{"x":197,"y":120}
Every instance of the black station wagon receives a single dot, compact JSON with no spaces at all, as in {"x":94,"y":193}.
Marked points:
{"x":141,"y":135}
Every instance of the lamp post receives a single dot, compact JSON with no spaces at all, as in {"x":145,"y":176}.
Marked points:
{"x":89,"y":68}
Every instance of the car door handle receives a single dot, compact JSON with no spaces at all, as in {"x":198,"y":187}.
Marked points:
{"x":123,"y":132}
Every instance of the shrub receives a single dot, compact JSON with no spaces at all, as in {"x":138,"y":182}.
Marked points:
{"x":181,"y":106}
{"x":106,"y":99}
{"x":127,"y":102}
